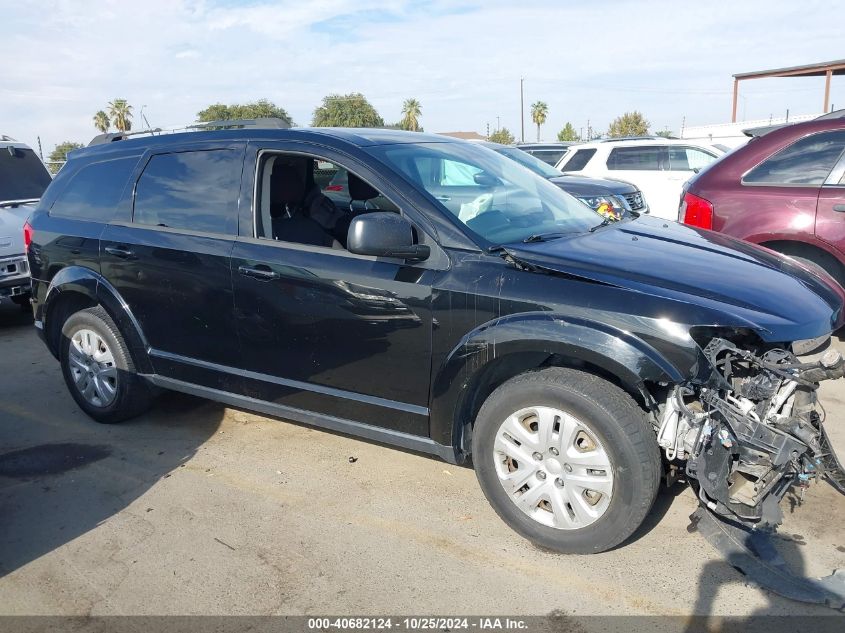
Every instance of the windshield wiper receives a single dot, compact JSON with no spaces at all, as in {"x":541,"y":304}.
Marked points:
{"x":606,"y":222}
{"x":542,"y":237}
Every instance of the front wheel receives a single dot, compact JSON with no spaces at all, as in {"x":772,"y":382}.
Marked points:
{"x":98,"y":368}
{"x":566,"y":459}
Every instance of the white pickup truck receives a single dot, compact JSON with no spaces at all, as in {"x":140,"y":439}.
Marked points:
{"x":23,"y":178}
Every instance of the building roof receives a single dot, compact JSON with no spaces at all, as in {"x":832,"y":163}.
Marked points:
{"x":467,"y":136}
{"x":837,"y":67}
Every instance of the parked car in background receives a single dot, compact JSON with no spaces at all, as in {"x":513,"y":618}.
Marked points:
{"x":658,"y":167}
{"x":23,"y":178}
{"x":497,"y":322}
{"x":549,"y":153}
{"x":784,"y":190}
{"x":622,"y":197}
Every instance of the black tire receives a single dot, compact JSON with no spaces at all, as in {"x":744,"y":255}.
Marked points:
{"x":133,"y":394}
{"x":618,"y":424}
{"x":815,"y":258}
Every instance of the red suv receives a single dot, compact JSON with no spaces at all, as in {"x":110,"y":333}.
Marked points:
{"x":784,"y":190}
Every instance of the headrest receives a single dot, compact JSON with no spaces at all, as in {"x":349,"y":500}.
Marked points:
{"x":359,"y":190}
{"x":286,"y":184}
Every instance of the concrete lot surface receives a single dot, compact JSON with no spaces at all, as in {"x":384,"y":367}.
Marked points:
{"x":195,"y":508}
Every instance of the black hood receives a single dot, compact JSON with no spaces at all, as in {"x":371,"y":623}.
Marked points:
{"x":581,"y":186}
{"x":751,"y":286}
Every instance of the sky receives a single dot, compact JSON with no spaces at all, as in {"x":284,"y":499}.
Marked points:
{"x":590,"y":61}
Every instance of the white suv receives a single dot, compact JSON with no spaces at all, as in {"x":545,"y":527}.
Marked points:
{"x":659,"y":167}
{"x":23,"y":178}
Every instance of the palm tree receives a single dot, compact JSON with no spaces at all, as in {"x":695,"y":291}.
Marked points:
{"x":121,"y":114}
{"x":539,"y":110}
{"x":411,"y":111}
{"x":101,"y":121}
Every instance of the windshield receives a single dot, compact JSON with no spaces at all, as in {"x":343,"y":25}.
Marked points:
{"x":495,"y":197}
{"x":22,"y":175}
{"x":531,"y":162}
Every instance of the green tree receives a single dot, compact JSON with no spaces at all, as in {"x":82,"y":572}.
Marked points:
{"x":352,"y":110}
{"x":58,"y":156}
{"x":101,"y":121}
{"x":502,"y":136}
{"x":664,"y":133}
{"x":539,"y":112}
{"x":121,"y":114}
{"x":411,"y":113}
{"x":629,"y":124}
{"x":261,"y":109}
{"x":568,"y":133}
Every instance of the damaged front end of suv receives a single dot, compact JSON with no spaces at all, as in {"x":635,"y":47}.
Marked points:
{"x":749,"y":427}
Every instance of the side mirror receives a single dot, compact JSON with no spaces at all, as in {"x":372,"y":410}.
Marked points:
{"x":384,"y":234}
{"x":486,"y":180}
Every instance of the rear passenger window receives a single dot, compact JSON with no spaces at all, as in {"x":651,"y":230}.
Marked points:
{"x":94,"y":191}
{"x":635,"y":158}
{"x":195,"y":191}
{"x":579,"y":160}
{"x":805,"y":162}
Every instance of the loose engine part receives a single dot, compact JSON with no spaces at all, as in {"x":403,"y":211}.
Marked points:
{"x":751,"y":431}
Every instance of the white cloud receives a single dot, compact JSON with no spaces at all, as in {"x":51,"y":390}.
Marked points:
{"x":587,"y":61}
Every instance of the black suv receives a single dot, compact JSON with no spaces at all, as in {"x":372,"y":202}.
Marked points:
{"x":458,"y":305}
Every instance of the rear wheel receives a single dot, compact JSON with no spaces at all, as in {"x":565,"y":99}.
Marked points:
{"x":814,"y":258}
{"x":98,"y":368}
{"x":566,"y":459}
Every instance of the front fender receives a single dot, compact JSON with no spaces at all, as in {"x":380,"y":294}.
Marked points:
{"x":93,"y":286}
{"x":538,"y":337}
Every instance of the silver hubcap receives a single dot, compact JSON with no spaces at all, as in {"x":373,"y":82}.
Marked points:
{"x":92,"y":368}
{"x":553,"y":467}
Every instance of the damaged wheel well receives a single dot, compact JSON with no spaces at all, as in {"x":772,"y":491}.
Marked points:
{"x":502,"y":369}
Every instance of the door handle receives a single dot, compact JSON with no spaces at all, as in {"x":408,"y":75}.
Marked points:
{"x":122,"y":253}
{"x":839,"y":207}
{"x":443,"y":198}
{"x":258,"y":272}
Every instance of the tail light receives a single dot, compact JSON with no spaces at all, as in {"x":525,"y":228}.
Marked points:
{"x":27,"y":236}
{"x":696,"y":211}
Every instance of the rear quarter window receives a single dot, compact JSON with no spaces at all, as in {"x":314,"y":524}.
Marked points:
{"x":93,"y":192}
{"x":579,"y":160}
{"x":808,"y":161}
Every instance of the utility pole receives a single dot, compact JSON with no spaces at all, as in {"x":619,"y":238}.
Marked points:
{"x":40,"y":153}
{"x":488,"y":130}
{"x":498,"y":123}
{"x":522,"y":108}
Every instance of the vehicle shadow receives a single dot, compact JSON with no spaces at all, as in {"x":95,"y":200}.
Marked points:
{"x":61,"y":473}
{"x":718,"y":577}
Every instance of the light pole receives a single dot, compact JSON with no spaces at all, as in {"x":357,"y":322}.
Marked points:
{"x":143,"y":118}
{"x":522,"y":109}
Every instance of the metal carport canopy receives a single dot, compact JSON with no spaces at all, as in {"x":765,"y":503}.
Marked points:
{"x":826,"y":69}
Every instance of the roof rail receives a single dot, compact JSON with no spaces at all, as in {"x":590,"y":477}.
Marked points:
{"x":228,"y":124}
{"x":630,"y":138}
